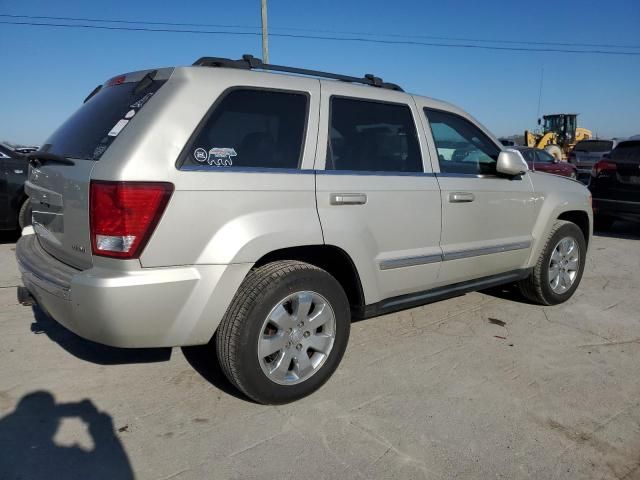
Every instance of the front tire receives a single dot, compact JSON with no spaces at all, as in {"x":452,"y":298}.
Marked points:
{"x":559,"y":269}
{"x":284,"y":333}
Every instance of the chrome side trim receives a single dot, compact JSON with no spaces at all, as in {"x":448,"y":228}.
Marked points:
{"x":476,"y":252}
{"x":374,"y":173}
{"x":207,"y":168}
{"x":456,"y":255}
{"x":409,"y":261}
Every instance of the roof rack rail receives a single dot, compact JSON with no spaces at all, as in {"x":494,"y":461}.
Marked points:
{"x":249,"y":62}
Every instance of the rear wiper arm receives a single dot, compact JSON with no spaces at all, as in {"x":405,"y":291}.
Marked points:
{"x":38,"y":158}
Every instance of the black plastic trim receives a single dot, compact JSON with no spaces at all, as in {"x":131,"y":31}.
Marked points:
{"x":417,"y":299}
{"x":249,"y":62}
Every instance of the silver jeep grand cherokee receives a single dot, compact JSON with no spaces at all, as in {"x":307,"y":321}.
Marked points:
{"x":260,"y":212}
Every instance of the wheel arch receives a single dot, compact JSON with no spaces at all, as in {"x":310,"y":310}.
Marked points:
{"x":333,"y":259}
{"x":581,"y":219}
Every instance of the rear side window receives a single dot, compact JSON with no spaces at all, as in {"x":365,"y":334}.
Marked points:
{"x":462,"y":147}
{"x":372,"y":136}
{"x":93,"y":127}
{"x":593,"y":146}
{"x":251,"y":128}
{"x":544,"y":157}
{"x":627,"y":152}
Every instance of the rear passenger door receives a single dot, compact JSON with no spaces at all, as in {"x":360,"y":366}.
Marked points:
{"x":375,"y":199}
{"x":487,"y":218}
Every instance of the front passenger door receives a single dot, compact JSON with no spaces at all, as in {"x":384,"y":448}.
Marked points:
{"x":487,"y":219}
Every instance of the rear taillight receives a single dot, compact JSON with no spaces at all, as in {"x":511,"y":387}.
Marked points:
{"x":123,"y":215}
{"x":602,"y":166}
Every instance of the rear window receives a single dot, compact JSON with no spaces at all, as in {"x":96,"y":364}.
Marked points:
{"x":594,"y":146}
{"x":89,"y":132}
{"x":251,"y":128}
{"x":627,"y":151}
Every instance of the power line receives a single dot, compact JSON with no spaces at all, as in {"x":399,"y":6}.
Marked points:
{"x":324,"y":37}
{"x":335,"y":32}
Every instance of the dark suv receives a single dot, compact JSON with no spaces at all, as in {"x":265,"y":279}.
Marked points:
{"x":615,"y":185}
{"x":15,"y":210}
{"x":586,"y":153}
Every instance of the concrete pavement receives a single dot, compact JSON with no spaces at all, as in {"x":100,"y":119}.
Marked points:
{"x":441,"y":391}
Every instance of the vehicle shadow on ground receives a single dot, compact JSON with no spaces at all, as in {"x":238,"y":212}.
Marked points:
{"x":29,"y":450}
{"x":9,"y":237}
{"x":204,"y":360}
{"x":619,"y":229}
{"x":91,"y":351}
{"x":509,"y":292}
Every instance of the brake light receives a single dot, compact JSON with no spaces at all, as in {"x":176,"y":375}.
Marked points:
{"x":123,"y":215}
{"x":603,"y":166}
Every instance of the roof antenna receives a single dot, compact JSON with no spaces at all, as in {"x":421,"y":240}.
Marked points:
{"x":540,"y":91}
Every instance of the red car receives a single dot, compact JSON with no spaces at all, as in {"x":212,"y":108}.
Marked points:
{"x":541,"y":161}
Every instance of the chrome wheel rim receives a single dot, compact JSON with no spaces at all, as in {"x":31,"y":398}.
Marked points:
{"x":564,"y":265}
{"x":296,"y":338}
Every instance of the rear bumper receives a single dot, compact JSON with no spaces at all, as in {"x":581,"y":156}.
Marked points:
{"x":617,"y":208}
{"x":147,"y":307}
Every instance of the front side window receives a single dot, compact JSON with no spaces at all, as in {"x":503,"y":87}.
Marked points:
{"x":544,"y":157}
{"x":462,"y":147}
{"x":252,"y":128}
{"x":372,"y":136}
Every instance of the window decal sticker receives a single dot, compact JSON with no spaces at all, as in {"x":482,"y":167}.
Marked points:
{"x":117,"y":128}
{"x":221,"y":157}
{"x":201,"y":155}
{"x":142,"y":101}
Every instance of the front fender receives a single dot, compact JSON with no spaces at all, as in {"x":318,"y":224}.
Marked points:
{"x":554,"y":196}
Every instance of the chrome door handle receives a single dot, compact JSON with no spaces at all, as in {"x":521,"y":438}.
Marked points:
{"x":461,"y":197}
{"x":348,"y":199}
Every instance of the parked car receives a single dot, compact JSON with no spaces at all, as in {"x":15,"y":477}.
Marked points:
{"x":25,"y":150}
{"x":541,"y":161}
{"x":507,"y":142}
{"x":586,"y":153}
{"x":259,"y":213}
{"x":615,"y":185}
{"x":15,"y":210}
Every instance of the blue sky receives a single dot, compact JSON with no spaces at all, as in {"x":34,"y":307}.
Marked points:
{"x":46,"y":72}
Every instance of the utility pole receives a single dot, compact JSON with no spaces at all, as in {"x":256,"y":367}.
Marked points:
{"x":265,"y":35}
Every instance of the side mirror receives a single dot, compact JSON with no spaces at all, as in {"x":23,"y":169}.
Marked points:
{"x":510,"y":162}
{"x":539,"y":121}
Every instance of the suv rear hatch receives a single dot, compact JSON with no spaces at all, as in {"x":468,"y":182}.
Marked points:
{"x":587,"y":152}
{"x":60,"y":191}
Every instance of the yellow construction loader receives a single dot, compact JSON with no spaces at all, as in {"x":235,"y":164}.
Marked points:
{"x":560,"y":133}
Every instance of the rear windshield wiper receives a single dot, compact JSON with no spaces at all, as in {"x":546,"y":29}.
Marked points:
{"x":38,"y":158}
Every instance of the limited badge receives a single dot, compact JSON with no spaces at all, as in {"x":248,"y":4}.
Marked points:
{"x":201,"y":155}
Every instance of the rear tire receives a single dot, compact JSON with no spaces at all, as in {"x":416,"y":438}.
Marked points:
{"x":24,"y":215}
{"x":276,"y":308}
{"x":540,"y":287}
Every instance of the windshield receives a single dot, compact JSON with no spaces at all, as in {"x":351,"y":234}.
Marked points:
{"x":89,"y":132}
{"x":594,"y":146}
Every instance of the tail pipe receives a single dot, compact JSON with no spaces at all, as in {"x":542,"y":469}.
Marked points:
{"x":25,"y":298}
